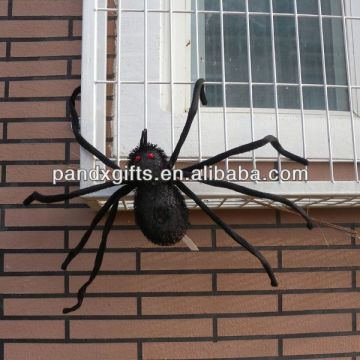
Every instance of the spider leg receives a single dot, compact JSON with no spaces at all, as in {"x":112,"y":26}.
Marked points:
{"x":260,"y":194}
{"x":199,"y":93}
{"x":48,"y":199}
{"x":99,"y":257}
{"x":75,"y":124}
{"x":230,"y":232}
{"x":248,"y":147}
{"x":116,"y":195}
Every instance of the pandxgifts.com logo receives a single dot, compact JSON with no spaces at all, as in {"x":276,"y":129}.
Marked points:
{"x":135,"y":173}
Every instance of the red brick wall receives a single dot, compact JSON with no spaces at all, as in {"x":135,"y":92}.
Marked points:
{"x":148,"y":302}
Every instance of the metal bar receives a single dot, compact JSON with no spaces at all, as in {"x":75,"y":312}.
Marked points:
{"x":118,"y":80}
{"x":250,"y":80}
{"x":145,"y":64}
{"x":350,"y":92}
{"x":223,"y":74}
{"x":323,"y":58}
{"x":152,"y":82}
{"x":198,"y":75}
{"x":171,"y":74}
{"x":300,"y":78}
{"x":275,"y":81}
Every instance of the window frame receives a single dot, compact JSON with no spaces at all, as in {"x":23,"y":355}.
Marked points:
{"x":94,"y":127}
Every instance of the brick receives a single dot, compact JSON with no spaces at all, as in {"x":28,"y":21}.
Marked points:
{"x":77,"y":28}
{"x":74,"y":151}
{"x":3,"y":7}
{"x":1,"y":130}
{"x":52,"y":262}
{"x":12,"y":195}
{"x":322,"y":345}
{"x":278,"y":325}
{"x":33,"y":173}
{"x":318,"y":171}
{"x":31,"y":329}
{"x":298,"y":302}
{"x":346,"y":215}
{"x":208,"y":304}
{"x":144,"y":283}
{"x":91,"y":306}
{"x":33,"y":68}
{"x":112,"y":329}
{"x":75,"y":67}
{"x":71,"y":351}
{"x":248,"y":216}
{"x":46,"y":8}
{"x":321,"y":258}
{"x":31,"y":284}
{"x":203,"y":260}
{"x":286,"y":237}
{"x":33,"y":28}
{"x":40,"y":130}
{"x":55,"y":217}
{"x":287,"y":281}
{"x":2,"y":94}
{"x":357,"y":237}
{"x":38,"y":109}
{"x":42,"y":88}
{"x":46,"y":48}
{"x":344,"y":172}
{"x":48,"y":217}
{"x":136,"y":239}
{"x":2,"y":49}
{"x":31,"y":239}
{"x":20,"y":152}
{"x":210,"y":350}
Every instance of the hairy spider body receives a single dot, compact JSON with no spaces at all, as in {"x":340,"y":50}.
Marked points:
{"x":160,"y":209}
{"x":161,"y":213}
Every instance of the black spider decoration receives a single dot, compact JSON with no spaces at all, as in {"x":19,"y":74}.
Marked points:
{"x":160,"y":209}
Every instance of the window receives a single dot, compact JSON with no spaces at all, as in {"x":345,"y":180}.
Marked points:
{"x":282,"y":67}
{"x":302,"y":46}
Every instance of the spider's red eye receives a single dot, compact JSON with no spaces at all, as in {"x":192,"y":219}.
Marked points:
{"x":137,"y":158}
{"x":150,"y":156}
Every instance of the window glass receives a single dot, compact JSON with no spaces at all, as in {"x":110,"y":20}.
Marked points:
{"x":307,"y":6}
{"x":286,"y":55}
{"x":261,"y":53}
{"x":235,"y":46}
{"x":209,"y":5}
{"x":288,"y":97}
{"x":331,"y":7}
{"x":310,"y":51}
{"x":234,"y":5}
{"x":334,"y":52}
{"x":259,"y":5}
{"x":285,"y":49}
{"x":283,"y":6}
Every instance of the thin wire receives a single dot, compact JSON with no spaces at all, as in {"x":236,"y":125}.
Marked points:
{"x":198,"y":76}
{"x":223,"y":73}
{"x":300,"y":78}
{"x":275,"y":81}
{"x":350,"y":92}
{"x":250,"y":80}
{"x":326,"y":93}
{"x":118,"y":81}
{"x":145,"y":65}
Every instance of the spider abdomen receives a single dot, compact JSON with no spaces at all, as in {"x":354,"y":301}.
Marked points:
{"x":161,"y":213}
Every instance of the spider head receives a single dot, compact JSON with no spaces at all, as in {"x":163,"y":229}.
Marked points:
{"x":148,"y":156}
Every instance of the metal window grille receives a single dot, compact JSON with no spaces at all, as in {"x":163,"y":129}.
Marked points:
{"x":151,"y":39}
